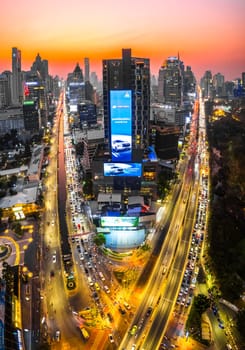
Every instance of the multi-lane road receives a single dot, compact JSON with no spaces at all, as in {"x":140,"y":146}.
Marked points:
{"x":153,"y":299}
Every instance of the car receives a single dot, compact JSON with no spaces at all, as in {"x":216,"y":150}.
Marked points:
{"x":95,"y":296}
{"x":89,"y":265}
{"x":90,"y":281}
{"x":57,"y":335}
{"x":115,"y":170}
{"x":110,"y":317}
{"x":133,"y":347}
{"x":111,"y":338}
{"x":128,"y":307}
{"x":149,"y":311}
{"x":121,"y":310}
{"x":120,"y":145}
{"x":54,"y":258}
{"x":133,"y":330}
{"x":101,"y":276}
{"x":96,"y":286}
{"x":107,"y":290}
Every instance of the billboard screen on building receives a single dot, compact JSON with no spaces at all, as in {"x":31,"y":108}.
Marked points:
{"x":123,"y":169}
{"x":121,"y":125}
{"x":119,"y":221}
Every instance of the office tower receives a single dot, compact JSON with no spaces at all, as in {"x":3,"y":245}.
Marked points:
{"x":40,"y":68}
{"x":206,"y":84}
{"x":219,"y":85}
{"x":170,"y":82}
{"x":126,"y":99}
{"x":86,"y":69}
{"x":87,"y":114}
{"x":75,"y":88}
{"x":243,"y":79}
{"x":17,"y":91}
{"x":189,"y":82}
{"x":32,"y":120}
{"x":5,"y":89}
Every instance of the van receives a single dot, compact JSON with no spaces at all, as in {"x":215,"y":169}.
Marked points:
{"x":84,"y":332}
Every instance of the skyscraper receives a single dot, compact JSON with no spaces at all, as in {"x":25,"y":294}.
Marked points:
{"x":5,"y":89}
{"x":170,"y":86}
{"x":126,"y":97}
{"x":17,"y":90}
{"x":206,"y":84}
{"x":219,"y":84}
{"x":86,"y":69}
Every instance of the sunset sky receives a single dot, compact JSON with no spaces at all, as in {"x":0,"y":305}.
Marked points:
{"x":207,"y":34}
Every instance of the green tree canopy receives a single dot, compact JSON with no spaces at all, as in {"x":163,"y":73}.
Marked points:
{"x":99,"y":239}
{"x":201,"y":303}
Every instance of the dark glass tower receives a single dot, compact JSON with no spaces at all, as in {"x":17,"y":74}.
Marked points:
{"x":17,"y":93}
{"x":129,"y":73}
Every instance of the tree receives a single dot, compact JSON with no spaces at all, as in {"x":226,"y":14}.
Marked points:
{"x":201,"y":303}
{"x":241,"y":321}
{"x":99,"y":239}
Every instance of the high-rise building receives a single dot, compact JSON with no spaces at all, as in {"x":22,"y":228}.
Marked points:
{"x":40,"y":68}
{"x":87,"y":114}
{"x":32,"y":120}
{"x":189,"y":82}
{"x":243,"y":79}
{"x":170,"y":83}
{"x":86,"y":69}
{"x":75,"y":88}
{"x":206,"y":84}
{"x":5,"y":89}
{"x":219,"y":84}
{"x":126,"y":100}
{"x":17,"y":89}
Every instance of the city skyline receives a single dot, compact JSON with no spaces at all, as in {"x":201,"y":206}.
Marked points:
{"x":206,"y":35}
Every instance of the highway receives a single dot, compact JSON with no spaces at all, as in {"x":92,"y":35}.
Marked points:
{"x":163,"y":287}
{"x":154,"y":296}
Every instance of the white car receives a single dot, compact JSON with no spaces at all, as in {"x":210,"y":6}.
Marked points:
{"x":111,"y":338}
{"x":120,"y":145}
{"x":54,"y":258}
{"x":107,"y":290}
{"x":57,"y":335}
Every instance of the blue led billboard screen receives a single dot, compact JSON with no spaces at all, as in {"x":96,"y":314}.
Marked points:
{"x":121,"y":125}
{"x":123,"y":169}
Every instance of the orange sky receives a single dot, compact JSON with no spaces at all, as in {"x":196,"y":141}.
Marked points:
{"x":208,"y":34}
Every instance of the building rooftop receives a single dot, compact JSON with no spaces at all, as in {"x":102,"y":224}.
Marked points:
{"x":28,"y":195}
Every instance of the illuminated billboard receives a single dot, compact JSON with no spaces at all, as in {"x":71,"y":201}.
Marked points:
{"x":123,"y":169}
{"x":121,"y":125}
{"x":119,"y":221}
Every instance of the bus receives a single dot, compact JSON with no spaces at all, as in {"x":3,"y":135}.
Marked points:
{"x":84,"y":332}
